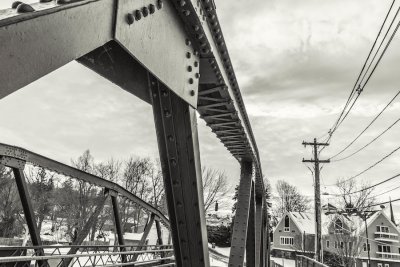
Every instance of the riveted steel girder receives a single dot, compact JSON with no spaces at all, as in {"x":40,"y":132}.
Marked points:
{"x":176,"y":128}
{"x":239,"y":235}
{"x":35,"y":44}
{"x":159,"y":41}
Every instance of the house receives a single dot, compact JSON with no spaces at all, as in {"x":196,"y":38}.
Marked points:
{"x":341,"y":235}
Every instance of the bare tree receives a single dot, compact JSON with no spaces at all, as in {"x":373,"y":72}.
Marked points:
{"x":215,"y":186}
{"x":354,"y":195}
{"x":346,"y":244}
{"x":10,"y":205}
{"x":41,"y":187}
{"x":135,"y":178}
{"x":289,"y":199}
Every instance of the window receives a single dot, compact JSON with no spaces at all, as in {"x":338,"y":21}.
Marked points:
{"x":382,"y":229}
{"x":327,"y":243}
{"x":287,"y":224}
{"x":338,"y":226}
{"x":336,"y":244}
{"x":379,"y":264}
{"x":365,"y":247}
{"x":287,"y":240}
{"x":386,"y":264}
{"x":341,"y":244}
{"x":384,"y":248}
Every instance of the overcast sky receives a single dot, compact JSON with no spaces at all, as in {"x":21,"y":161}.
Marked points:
{"x":295,"y":61}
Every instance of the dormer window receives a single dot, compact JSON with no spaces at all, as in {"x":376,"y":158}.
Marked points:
{"x":287,"y":224}
{"x":338,"y":227}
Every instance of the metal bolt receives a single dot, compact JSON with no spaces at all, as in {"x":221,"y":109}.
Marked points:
{"x":197,"y":75}
{"x":152,"y":8}
{"x":170,"y":138}
{"x":159,"y":4}
{"x":196,"y":64}
{"x":187,"y":42}
{"x":130,"y":19}
{"x":186,"y":12}
{"x":189,"y":68}
{"x":188,"y":55}
{"x":145,"y":11}
{"x":192,"y":92}
{"x":138,"y":14}
{"x":205,"y":50}
{"x":196,"y":28}
{"x":191,"y":80}
{"x":15,"y":4}
{"x":182,"y":2}
{"x":167,"y":113}
{"x":195,"y":52}
{"x":173,"y":162}
{"x":24,"y":8}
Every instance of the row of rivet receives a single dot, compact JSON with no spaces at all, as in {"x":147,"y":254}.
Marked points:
{"x":195,"y":64}
{"x":26,"y":8}
{"x":144,"y":11}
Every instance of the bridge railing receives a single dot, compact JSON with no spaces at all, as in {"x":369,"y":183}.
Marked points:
{"x":303,"y":261}
{"x":44,"y":256}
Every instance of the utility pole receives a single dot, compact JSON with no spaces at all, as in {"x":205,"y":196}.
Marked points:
{"x":317,"y":196}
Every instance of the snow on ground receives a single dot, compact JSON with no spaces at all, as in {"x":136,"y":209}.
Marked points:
{"x":284,"y":262}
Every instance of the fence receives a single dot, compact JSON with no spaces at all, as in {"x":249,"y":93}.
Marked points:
{"x":303,"y":261}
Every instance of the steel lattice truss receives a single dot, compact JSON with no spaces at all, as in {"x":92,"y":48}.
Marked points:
{"x":171,"y":54}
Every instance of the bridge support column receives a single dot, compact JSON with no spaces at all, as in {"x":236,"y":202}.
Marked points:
{"x":251,"y":233}
{"x":259,"y":232}
{"x":118,"y":227}
{"x":176,"y":128}
{"x":239,"y":236}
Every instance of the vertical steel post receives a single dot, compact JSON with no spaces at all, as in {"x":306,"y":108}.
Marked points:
{"x":239,"y":236}
{"x":27,"y":206}
{"x":259,"y":231}
{"x":251,"y":232}
{"x":118,"y":227}
{"x":146,"y":232}
{"x":176,"y":129}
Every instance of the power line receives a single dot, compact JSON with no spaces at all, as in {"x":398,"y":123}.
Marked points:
{"x":370,"y":167}
{"x":352,"y":93}
{"x":366,"y":128}
{"x":373,"y":140}
{"x":368,"y":187}
{"x":382,"y":193}
{"x":386,"y":202}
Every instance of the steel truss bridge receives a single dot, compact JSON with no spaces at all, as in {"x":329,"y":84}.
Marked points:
{"x":172,"y":55}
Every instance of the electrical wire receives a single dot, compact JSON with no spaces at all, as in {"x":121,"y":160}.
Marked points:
{"x":370,"y":167}
{"x":368,"y":187}
{"x":386,"y":202}
{"x":365,"y":146}
{"x":366,"y":128}
{"x":382,"y":193}
{"x":356,"y":84}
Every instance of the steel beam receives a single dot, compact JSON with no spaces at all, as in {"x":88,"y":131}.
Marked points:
{"x":259,"y":231}
{"x":146,"y":232}
{"x":37,"y":43}
{"x":117,"y":223}
{"x":159,"y":41}
{"x":176,"y":129}
{"x":58,"y":167}
{"x":114,"y":63}
{"x":28,"y":210}
{"x":251,"y":233}
{"x":239,"y":236}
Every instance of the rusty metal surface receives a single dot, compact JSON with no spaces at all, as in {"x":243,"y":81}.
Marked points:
{"x":34,"y":44}
{"x":159,"y":42}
